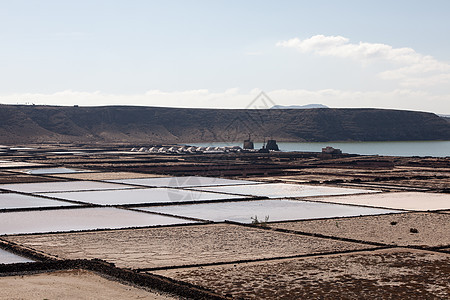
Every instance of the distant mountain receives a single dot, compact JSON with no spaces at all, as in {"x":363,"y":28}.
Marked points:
{"x":21,"y":124}
{"x":307,"y":106}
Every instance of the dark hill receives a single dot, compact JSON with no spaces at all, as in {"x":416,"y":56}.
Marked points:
{"x":307,"y":106}
{"x":49,"y":124}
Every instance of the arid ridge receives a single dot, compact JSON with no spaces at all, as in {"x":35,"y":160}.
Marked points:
{"x":132,"y":124}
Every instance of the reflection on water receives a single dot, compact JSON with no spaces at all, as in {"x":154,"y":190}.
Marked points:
{"x":277,"y":210}
{"x":407,"y":200}
{"x":10,"y":258}
{"x":9,"y":200}
{"x":187,"y":181}
{"x":53,"y":171}
{"x":139,"y":196}
{"x":43,"y":187}
{"x":79,"y":219}
{"x":282,"y":190}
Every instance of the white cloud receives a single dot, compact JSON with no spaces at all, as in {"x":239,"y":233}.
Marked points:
{"x":410,"y":68}
{"x":235,"y":98}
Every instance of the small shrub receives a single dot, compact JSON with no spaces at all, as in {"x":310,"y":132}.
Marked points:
{"x":257,"y":222}
{"x":413,"y":230}
{"x":393,"y":223}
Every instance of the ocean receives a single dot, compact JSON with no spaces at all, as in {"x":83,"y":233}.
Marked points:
{"x":413,"y":148}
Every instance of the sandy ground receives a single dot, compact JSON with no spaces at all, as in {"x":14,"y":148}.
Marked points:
{"x":387,"y":274}
{"x":401,"y":200}
{"x":106,"y":175}
{"x":433,"y":228}
{"x":18,"y":164}
{"x":16,"y":178}
{"x":437,"y":183}
{"x":307,"y":178}
{"x":177,"y":246}
{"x":76,"y":284}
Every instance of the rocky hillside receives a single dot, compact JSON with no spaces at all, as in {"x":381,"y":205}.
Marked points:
{"x":130,"y":124}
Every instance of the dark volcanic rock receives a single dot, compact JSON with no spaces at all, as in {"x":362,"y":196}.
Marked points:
{"x":49,"y":124}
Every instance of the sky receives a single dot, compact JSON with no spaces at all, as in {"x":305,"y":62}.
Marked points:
{"x":223,"y":54}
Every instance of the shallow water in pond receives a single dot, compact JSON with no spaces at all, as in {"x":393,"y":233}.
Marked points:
{"x":67,"y":186}
{"x":282,"y":190}
{"x":140,"y":196}
{"x":54,"y":171}
{"x":188,"y":181}
{"x":277,"y":210}
{"x":79,"y":219}
{"x":404,"y":200}
{"x":9,"y":200}
{"x":11,"y":258}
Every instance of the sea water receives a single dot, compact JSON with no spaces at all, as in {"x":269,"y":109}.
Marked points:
{"x":412,"y":148}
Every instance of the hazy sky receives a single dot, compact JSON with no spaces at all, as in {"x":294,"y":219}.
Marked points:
{"x":385,"y":54}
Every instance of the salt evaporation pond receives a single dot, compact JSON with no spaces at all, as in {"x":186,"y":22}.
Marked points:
{"x":140,"y":196}
{"x":277,"y":210}
{"x":10,"y":200}
{"x":188,"y":181}
{"x":79,"y":219}
{"x":283,"y":190}
{"x":11,"y":258}
{"x":402,"y":200}
{"x":54,"y":171}
{"x":66,"y":186}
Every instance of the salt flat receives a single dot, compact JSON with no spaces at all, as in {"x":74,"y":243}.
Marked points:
{"x":283,"y":190}
{"x":10,"y":200}
{"x":65,"y":186}
{"x":78,"y":219}
{"x":11,"y":258}
{"x":186,"y":181}
{"x":106,"y":175}
{"x":275,"y":210}
{"x":141,"y":196}
{"x":401,"y":200}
